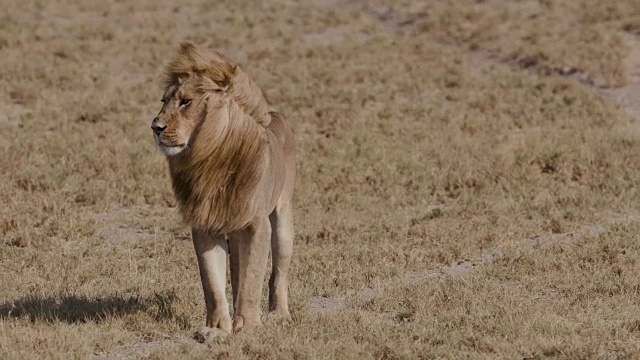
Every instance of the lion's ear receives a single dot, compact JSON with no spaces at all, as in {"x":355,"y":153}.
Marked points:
{"x":222,"y":73}
{"x":187,"y":49}
{"x":185,"y":45}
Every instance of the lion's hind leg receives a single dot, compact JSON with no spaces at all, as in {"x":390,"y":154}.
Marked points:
{"x":281,"y":250}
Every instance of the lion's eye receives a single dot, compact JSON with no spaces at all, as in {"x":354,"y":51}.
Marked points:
{"x":185,"y":102}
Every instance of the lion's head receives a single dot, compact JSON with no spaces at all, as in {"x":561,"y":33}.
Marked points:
{"x":194,"y":78}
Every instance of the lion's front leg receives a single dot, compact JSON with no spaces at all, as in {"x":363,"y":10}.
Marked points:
{"x":251,"y":245}
{"x":211,"y":251}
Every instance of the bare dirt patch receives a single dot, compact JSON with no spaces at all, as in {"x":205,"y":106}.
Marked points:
{"x":628,"y":96}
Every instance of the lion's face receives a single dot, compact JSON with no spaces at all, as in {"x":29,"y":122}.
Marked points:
{"x":174,"y":126}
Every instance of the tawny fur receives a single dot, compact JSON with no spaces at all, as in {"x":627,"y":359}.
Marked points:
{"x":232,"y":165}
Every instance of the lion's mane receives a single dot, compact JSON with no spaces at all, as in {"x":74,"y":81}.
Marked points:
{"x":219,"y":180}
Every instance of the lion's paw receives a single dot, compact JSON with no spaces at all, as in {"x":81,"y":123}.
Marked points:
{"x":207,"y":334}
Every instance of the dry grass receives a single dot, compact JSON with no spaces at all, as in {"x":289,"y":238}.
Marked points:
{"x":428,"y":133}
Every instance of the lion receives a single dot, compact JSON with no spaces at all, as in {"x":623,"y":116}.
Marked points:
{"x":232,"y":167}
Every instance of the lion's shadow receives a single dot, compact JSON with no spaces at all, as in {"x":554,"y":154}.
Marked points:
{"x":79,"y":309}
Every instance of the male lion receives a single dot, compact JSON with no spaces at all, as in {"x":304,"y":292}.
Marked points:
{"x":232,"y":166}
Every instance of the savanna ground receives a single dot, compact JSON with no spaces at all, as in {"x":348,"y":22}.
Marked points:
{"x":468,"y":178}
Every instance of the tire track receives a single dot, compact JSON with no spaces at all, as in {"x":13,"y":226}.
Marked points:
{"x":323,"y":305}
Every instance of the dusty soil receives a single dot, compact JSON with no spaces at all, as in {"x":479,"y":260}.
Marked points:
{"x":468,"y":183}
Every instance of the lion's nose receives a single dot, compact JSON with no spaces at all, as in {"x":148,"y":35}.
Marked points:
{"x":157,"y":127}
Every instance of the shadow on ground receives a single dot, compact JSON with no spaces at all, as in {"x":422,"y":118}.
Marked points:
{"x":80,"y":309}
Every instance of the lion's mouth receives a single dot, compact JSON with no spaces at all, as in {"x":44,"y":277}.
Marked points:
{"x":170,"y":149}
{"x":161,"y":142}
{"x":173,"y":146}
